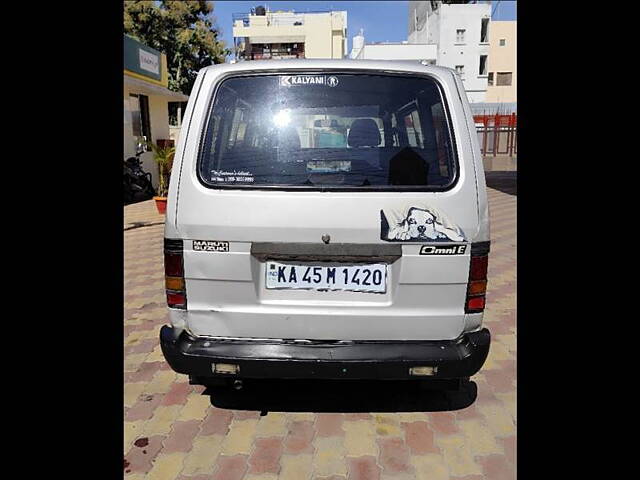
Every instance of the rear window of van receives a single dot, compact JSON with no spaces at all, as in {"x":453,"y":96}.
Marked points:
{"x":328,"y":131}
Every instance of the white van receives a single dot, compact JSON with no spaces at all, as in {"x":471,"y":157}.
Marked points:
{"x":326,"y":219}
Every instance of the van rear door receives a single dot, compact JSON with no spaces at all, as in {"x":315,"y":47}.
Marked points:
{"x":335,"y":205}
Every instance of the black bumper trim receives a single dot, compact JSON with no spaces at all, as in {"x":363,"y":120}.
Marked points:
{"x":356,"y":360}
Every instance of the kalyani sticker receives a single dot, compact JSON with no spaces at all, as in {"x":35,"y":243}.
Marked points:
{"x":418,"y":224}
{"x":293,"y":80}
{"x":210,"y":246}
{"x":235,"y":176}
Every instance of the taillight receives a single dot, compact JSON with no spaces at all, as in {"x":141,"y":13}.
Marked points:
{"x":478,"y":268}
{"x":174,"y":274}
{"x":477,"y":286}
{"x":173,"y":263}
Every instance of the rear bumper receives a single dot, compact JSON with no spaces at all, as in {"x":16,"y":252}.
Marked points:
{"x":350,"y":360}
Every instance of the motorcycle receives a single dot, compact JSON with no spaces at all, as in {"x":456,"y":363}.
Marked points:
{"x":137,"y":184}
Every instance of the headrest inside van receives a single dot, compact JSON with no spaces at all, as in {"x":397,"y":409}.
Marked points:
{"x":364,"y":133}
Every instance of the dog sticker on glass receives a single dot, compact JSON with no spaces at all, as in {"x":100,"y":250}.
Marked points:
{"x":418,"y":224}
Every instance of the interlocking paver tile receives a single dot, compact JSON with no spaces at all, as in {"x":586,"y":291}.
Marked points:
{"x":266,"y":455}
{"x":498,"y":419}
{"x":140,"y":456}
{"x":144,"y":408}
{"x":419,"y":438}
{"x":181,"y":436}
{"x":262,"y":476}
{"x":329,"y":424}
{"x":156,"y":355}
{"x":480,"y":438}
{"x":133,"y":361}
{"x":177,"y":394}
{"x":161,"y":381}
{"x":509,"y":445}
{"x":360,"y":438}
{"x":132,"y":430}
{"x":145,"y":345}
{"x":363,"y":468}
{"x":217,"y":422}
{"x":239,"y":440}
{"x":231,"y":467}
{"x":387,"y":424}
{"x":162,"y":420}
{"x":296,"y":467}
{"x":443,"y":422}
{"x":430,"y":466}
{"x":394,"y":456}
{"x":184,"y":437}
{"x":202,"y":457}
{"x":299,"y":438}
{"x":246,"y":415}
{"x":497,"y":467}
{"x":458,"y":455}
{"x":166,"y":466}
{"x":131,"y":393}
{"x":329,"y":458}
{"x":196,"y":407}
{"x":301,"y":417}
{"x":144,"y":373}
{"x":272,"y":425}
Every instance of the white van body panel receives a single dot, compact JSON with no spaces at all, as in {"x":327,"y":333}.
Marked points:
{"x":226,"y":294}
{"x":483,"y":203}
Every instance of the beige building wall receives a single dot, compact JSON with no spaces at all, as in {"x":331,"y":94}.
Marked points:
{"x":502,"y":59}
{"x":323,"y":34}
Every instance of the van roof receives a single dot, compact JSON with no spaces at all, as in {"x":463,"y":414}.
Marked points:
{"x":348,"y":64}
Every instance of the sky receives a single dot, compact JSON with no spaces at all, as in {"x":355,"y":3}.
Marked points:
{"x":382,"y":21}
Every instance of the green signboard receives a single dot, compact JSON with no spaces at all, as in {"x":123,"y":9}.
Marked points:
{"x":143,"y":60}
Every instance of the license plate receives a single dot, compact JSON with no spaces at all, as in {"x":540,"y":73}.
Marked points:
{"x":355,"y":278}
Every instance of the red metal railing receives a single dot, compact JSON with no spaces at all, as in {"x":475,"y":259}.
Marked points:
{"x":496,"y":131}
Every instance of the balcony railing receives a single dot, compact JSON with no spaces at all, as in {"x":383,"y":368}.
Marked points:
{"x":269,"y":56}
{"x":275,"y":18}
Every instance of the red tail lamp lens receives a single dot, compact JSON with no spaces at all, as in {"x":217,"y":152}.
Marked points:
{"x":478,"y":270}
{"x":173,"y":264}
{"x":475,"y":303}
{"x":176,"y":300}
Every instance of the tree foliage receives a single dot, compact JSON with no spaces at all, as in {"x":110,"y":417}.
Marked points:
{"x":184,"y":31}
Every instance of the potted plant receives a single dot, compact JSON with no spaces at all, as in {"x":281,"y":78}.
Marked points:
{"x":163,"y":155}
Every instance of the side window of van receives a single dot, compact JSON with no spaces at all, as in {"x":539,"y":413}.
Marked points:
{"x":443,"y":147}
{"x":414,"y":130}
{"x":238,"y":129}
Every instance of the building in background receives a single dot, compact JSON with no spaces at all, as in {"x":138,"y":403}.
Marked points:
{"x":502,"y":62}
{"x":262,"y":34}
{"x":461,"y":35}
{"x":146,"y":101}
{"x":392,"y":50}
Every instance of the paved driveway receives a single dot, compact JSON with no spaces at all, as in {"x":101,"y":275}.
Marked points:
{"x":314,"y":430}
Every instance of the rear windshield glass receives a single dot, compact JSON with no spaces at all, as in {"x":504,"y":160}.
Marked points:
{"x":328,"y":131}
